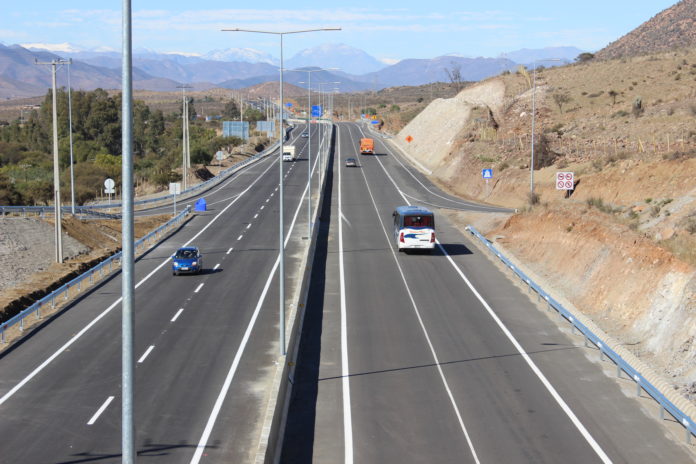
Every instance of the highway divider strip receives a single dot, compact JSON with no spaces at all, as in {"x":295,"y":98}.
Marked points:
{"x":680,"y":408}
{"x":86,"y":280}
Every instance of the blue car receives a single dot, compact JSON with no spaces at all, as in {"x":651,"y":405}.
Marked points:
{"x":187,"y":259}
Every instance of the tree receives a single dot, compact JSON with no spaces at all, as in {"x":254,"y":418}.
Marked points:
{"x":231,"y":110}
{"x":455,"y":75}
{"x":584,"y":57}
{"x":613,"y":94}
{"x":561,"y":98}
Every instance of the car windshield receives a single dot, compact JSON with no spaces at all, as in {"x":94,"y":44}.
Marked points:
{"x":418,"y":221}
{"x":185,"y":254}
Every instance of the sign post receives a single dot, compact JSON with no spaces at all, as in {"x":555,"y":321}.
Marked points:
{"x":109,"y":185}
{"x":174,"y":189}
{"x":487,"y":174}
{"x":565,"y":181}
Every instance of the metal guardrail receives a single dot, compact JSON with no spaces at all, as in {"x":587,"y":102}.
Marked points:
{"x":199,"y":187}
{"x":76,"y":284}
{"x":43,"y":210}
{"x":622,"y":365}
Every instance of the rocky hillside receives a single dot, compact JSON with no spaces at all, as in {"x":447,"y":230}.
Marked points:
{"x":671,"y":29}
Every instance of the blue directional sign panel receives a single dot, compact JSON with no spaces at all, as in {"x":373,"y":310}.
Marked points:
{"x":288,"y":104}
{"x":374,"y":122}
{"x":317,"y":111}
{"x":487,"y":173}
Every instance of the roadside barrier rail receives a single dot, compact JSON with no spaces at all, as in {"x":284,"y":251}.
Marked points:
{"x":642,"y":384}
{"x":49,"y":210}
{"x":92,"y":275}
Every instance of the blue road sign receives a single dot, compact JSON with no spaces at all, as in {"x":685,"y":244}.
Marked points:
{"x":316,"y":111}
{"x":487,"y":173}
{"x":374,"y":121}
{"x":288,"y":104}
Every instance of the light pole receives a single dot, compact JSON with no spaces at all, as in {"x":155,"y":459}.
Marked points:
{"x":186,"y":155}
{"x":56,"y":167}
{"x":531,"y":165}
{"x":281,"y":257}
{"x":72,"y":171}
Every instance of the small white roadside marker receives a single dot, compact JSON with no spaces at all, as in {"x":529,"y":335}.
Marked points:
{"x":178,"y":313}
{"x":100,"y":410}
{"x":198,"y":289}
{"x":145,"y":355}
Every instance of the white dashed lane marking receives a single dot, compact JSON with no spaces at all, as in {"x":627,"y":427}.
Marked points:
{"x":145,"y":355}
{"x":198,"y":289}
{"x":240,"y":237}
{"x":216,"y":266}
{"x":229,"y":251}
{"x":178,"y":313}
{"x":248,"y":225}
{"x":100,"y":410}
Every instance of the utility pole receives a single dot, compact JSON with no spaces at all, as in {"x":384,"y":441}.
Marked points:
{"x":186,"y":154}
{"x":56,"y":166}
{"x":72,"y":170}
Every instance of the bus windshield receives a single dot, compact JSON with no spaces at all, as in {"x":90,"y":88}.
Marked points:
{"x":418,"y":221}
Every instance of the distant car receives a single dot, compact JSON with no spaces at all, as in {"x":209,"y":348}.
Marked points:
{"x":187,"y":259}
{"x":305,"y":135}
{"x":351,"y":163}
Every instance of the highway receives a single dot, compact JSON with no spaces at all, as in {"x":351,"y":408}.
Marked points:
{"x":416,"y":358}
{"x":205,"y":344}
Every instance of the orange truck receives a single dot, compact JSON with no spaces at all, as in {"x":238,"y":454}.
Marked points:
{"x":367,"y":146}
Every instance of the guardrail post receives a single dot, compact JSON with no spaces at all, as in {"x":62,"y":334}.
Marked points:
{"x":2,"y":335}
{"x":67,"y":291}
{"x":53,"y":302}
{"x":586,"y":345}
{"x":21,"y":325}
{"x":618,"y":372}
{"x":688,"y":435}
{"x":662,"y":412}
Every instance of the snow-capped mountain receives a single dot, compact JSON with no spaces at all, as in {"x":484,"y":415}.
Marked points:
{"x":245,"y":55}
{"x":349,"y":59}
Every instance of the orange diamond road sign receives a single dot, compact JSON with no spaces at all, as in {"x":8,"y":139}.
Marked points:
{"x":409,"y":139}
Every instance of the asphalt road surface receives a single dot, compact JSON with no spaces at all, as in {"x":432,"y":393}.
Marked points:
{"x":205,"y":344}
{"x":439,"y":358}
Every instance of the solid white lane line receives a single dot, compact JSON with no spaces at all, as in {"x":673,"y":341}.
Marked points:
{"x":198,"y":289}
{"x":256,"y":215}
{"x":556,"y":396}
{"x":436,"y":359}
{"x":145,"y":355}
{"x":240,"y":237}
{"x":345,"y":379}
{"x":176,"y":316}
{"x":229,"y":251}
{"x":202,"y":443}
{"x":216,"y":266}
{"x":248,"y":225}
{"x":77,"y":336}
{"x":100,"y":410}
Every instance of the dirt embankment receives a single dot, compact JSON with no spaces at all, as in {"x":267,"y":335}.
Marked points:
{"x":621,"y":247}
{"x":27,"y":266}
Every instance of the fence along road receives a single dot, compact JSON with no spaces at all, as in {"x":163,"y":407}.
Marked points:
{"x":56,"y":386}
{"x":400,"y":361}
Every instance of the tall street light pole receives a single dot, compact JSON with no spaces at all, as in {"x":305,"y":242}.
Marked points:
{"x":281,"y":257}
{"x":56,"y":167}
{"x":70,"y":131}
{"x":128,"y":455}
{"x":186,"y":155}
{"x":531,"y":165}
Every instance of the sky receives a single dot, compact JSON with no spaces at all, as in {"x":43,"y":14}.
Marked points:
{"x":389,"y":30}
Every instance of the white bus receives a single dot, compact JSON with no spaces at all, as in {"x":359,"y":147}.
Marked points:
{"x":414,"y":228}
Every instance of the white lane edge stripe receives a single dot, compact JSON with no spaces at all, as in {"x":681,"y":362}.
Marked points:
{"x":202,"y":443}
{"x":67,"y":344}
{"x":453,"y":402}
{"x":345,"y":371}
{"x":101,"y":409}
{"x":146,"y":354}
{"x":556,"y":396}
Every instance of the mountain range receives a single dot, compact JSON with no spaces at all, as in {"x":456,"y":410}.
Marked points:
{"x":240,"y":68}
